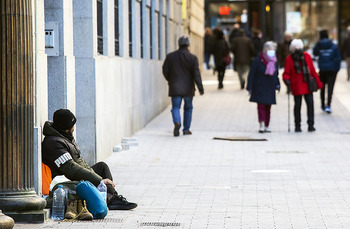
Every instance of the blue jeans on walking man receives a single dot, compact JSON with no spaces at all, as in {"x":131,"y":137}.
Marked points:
{"x":175,"y":111}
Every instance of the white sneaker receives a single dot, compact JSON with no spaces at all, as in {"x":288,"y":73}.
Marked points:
{"x":328,"y":110}
{"x":262,"y":127}
{"x":267,"y":130}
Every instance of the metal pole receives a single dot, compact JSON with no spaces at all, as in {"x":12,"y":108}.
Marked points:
{"x":263,"y":19}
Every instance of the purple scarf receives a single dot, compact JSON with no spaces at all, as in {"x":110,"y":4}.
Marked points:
{"x":269,"y":62}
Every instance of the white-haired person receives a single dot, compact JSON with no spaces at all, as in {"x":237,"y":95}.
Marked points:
{"x":263,"y":82}
{"x":298,"y":70}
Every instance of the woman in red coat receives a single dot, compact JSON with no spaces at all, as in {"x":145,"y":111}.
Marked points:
{"x":298,"y":67}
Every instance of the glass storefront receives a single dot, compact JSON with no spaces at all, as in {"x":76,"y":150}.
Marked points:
{"x":304,"y":19}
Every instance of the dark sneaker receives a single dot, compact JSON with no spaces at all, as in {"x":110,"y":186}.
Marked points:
{"x":297,"y":129}
{"x":311,"y":129}
{"x":118,"y":202}
{"x":177,"y":129}
{"x":187,"y":132}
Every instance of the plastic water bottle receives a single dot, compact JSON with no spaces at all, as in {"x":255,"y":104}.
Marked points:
{"x":58,"y":203}
{"x":103,"y":190}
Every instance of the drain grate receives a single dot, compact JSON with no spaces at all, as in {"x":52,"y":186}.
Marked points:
{"x":159,"y":224}
{"x":109,"y":220}
{"x":287,"y":152}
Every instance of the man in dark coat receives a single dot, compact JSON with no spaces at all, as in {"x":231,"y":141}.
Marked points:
{"x":181,"y":70}
{"x":243,"y":51}
{"x":329,"y":59}
{"x":61,"y":154}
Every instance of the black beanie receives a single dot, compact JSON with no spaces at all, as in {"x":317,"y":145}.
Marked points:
{"x":323,"y":34}
{"x":63,"y":119}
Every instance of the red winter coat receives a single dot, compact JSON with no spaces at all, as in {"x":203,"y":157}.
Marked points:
{"x":297,"y":84}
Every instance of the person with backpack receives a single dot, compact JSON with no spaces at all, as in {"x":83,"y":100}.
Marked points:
{"x":329,"y":64}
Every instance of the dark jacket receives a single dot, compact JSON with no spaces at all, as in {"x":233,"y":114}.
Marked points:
{"x":208,"y":40}
{"x":261,"y":86}
{"x":346,"y":47}
{"x":219,"y":50}
{"x":329,"y":55}
{"x":297,"y":84}
{"x":243,"y":50}
{"x":181,"y":70}
{"x":62,"y":156}
{"x":283,"y":52}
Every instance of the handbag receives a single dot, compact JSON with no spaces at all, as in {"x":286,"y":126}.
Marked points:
{"x":226,"y":60}
{"x":312,"y":84}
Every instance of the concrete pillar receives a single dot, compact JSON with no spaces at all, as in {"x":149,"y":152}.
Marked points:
{"x":61,"y":68}
{"x":85,"y":51}
{"x":17,"y":196}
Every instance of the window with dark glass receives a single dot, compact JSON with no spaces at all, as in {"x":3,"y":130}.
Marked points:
{"x":141,"y":29}
{"x":116,"y":27}
{"x":99,"y":27}
{"x":150,"y":31}
{"x":130,"y":28}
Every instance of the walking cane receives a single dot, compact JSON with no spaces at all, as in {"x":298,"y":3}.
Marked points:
{"x":288,"y":113}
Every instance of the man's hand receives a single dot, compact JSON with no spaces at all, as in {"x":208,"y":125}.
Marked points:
{"x":108,"y":181}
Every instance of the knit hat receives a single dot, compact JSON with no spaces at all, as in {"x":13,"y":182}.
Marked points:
{"x":184,"y":40}
{"x":323,"y":34}
{"x":63,"y":119}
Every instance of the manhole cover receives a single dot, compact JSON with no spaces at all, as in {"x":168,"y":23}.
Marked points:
{"x":286,"y":151}
{"x":239,"y":139}
{"x":159,"y":224}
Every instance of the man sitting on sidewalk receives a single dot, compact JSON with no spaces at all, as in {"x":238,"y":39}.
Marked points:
{"x":61,"y":154}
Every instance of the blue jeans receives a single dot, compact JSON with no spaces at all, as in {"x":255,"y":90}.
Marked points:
{"x":175,"y":111}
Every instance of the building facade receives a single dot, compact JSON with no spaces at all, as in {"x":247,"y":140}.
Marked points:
{"x":102,"y":59}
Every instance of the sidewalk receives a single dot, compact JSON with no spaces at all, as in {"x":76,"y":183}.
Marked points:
{"x":290,"y":181}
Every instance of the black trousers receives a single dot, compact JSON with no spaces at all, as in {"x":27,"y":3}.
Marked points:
{"x":221,"y":73}
{"x":309,"y":99}
{"x":328,"y":78}
{"x":102,"y":169}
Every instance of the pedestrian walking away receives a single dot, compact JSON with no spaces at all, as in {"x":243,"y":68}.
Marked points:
{"x":208,"y":39}
{"x":180,"y":69}
{"x":298,"y":71}
{"x":346,"y":51}
{"x":62,"y":155}
{"x":220,"y":50}
{"x":283,"y":49}
{"x":329,"y":59}
{"x":263,"y":82}
{"x":243,"y":52}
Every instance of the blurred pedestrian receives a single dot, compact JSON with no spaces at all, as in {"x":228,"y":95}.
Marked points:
{"x":181,"y":70}
{"x":257,"y":42}
{"x":283,"y":49}
{"x":262,"y":83}
{"x":220,"y":49}
{"x":234,"y":32}
{"x":207,"y":44}
{"x":298,"y":70}
{"x":329,"y":59}
{"x":243,"y":51}
{"x":346,"y":51}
